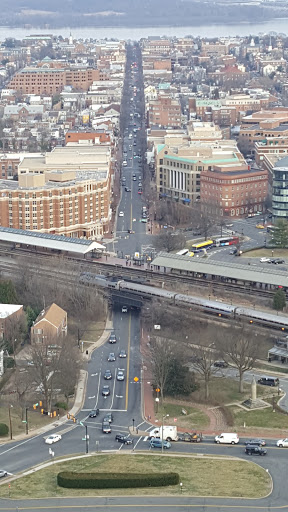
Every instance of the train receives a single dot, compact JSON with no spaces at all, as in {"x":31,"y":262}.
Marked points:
{"x":220,"y":309}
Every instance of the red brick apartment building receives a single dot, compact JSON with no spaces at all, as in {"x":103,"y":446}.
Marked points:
{"x":32,"y":80}
{"x":165,"y":111}
{"x":99,"y":137}
{"x":234,"y":193}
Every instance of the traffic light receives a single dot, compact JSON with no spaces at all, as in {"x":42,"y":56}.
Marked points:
{"x":42,"y":411}
{"x":251,"y":321}
{"x":40,"y":403}
{"x":68,"y":416}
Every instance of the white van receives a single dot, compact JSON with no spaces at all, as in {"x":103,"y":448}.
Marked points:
{"x":227,"y":438}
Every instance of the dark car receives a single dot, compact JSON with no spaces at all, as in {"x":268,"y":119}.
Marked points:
{"x":278,"y":261}
{"x":252,"y":449}
{"x":93,"y":413}
{"x":122,"y":353}
{"x":105,"y":391}
{"x":112,"y":338}
{"x":220,"y":364}
{"x":107,"y":375}
{"x":256,"y":441}
{"x":123,"y":439}
{"x":108,"y":417}
{"x":127,"y":189}
{"x":111,"y":357}
{"x":106,"y":427}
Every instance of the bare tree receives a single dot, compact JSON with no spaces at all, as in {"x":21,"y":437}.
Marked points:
{"x":239,"y":348}
{"x":159,"y":357}
{"x":203,"y":362}
{"x":68,"y":368}
{"x":168,"y":241}
{"x":15,"y":332}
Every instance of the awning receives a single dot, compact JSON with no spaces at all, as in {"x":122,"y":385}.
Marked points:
{"x":186,"y":200}
{"x":282,"y":352}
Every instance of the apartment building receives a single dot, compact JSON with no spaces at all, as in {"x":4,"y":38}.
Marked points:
{"x":62,"y":202}
{"x":198,"y":130}
{"x":233,"y":192}
{"x":41,"y":80}
{"x":164,"y":111}
{"x":261,"y":132}
{"x":280,"y":190}
{"x":178,"y":170}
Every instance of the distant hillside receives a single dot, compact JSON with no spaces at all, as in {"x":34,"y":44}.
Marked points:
{"x":128,"y":13}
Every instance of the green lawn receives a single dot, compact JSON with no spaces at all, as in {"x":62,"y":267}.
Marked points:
{"x":261,"y":418}
{"x":267,"y":253}
{"x":204,"y":477}
{"x":35,"y":419}
{"x":195,"y":418}
{"x":224,"y":390}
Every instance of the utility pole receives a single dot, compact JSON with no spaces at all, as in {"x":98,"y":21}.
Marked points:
{"x":26,"y":418}
{"x":86,"y":437}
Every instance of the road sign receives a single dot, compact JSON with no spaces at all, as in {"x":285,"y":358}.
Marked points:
{"x":81,"y":423}
{"x":157,"y":390}
{"x":136,"y":379}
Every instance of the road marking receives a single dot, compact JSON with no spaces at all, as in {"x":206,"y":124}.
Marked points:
{"x":128,"y":360}
{"x":91,"y":397}
{"x":119,"y":396}
{"x":94,"y":374}
{"x":113,"y":392}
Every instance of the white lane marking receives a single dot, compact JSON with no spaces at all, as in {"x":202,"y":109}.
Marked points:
{"x":113,"y":392}
{"x":93,"y":374}
{"x":134,"y":447}
{"x":98,"y":390}
{"x":20,"y":444}
{"x":119,"y":396}
{"x":91,"y":397}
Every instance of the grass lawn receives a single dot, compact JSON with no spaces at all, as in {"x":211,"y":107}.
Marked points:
{"x":194,"y":419}
{"x":224,"y":390}
{"x":262,"y":418}
{"x":205,"y":477}
{"x":94,"y":331}
{"x":265,"y":253}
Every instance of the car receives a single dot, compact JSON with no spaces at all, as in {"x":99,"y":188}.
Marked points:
{"x":265,"y":260}
{"x":121,"y":214}
{"x":94,"y":413}
{"x":252,"y":449}
{"x":120,"y":375}
{"x":139,"y":177}
{"x":278,"y":261}
{"x":157,"y":443}
{"x":107,"y":375}
{"x":106,"y":427}
{"x":111,"y":357}
{"x":260,"y":226}
{"x":220,"y":364}
{"x":140,"y":184}
{"x":106,"y":391}
{"x":124,"y":309}
{"x":140,"y":191}
{"x":271,"y":260}
{"x":233,"y":251}
{"x":122,"y":353}
{"x":127,"y":189}
{"x":123,"y":439}
{"x":3,"y":473}
{"x":144,"y":220}
{"x":112,"y":338}
{"x":108,"y":417}
{"x":229,"y":225}
{"x":124,"y":163}
{"x":256,"y":441}
{"x":54,"y":438}
{"x":282,"y":443}
{"x":134,"y":178}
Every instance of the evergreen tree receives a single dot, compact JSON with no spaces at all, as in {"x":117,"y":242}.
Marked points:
{"x":7,"y":293}
{"x":279,"y":300}
{"x":280,"y":234}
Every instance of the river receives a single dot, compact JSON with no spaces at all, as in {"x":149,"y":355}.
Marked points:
{"x":239,"y":29}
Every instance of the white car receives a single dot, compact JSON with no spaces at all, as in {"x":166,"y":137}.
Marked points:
{"x":54,"y":438}
{"x":265,"y":260}
{"x":124,"y":309}
{"x":121,"y":214}
{"x":282,"y":443}
{"x":124,"y":163}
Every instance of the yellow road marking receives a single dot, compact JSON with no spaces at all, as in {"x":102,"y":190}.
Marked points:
{"x":128,"y":361}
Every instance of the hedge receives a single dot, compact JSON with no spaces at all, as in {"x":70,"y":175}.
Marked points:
{"x":73,"y":480}
{"x":3,"y":429}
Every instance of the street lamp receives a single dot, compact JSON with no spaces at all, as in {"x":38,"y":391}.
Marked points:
{"x":10,"y":422}
{"x":181,"y":487}
{"x":133,"y":421}
{"x":162,"y":429}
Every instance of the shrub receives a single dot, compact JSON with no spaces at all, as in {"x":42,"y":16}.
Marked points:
{"x":62,"y":405}
{"x":3,"y":429}
{"x":73,"y":480}
{"x":9,"y":362}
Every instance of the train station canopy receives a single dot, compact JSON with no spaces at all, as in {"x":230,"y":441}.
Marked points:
{"x":254,"y":273}
{"x":47,"y":241}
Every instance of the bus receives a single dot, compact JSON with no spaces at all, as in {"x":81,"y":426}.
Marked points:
{"x":227,"y":240}
{"x":185,"y":252}
{"x":202,"y":245}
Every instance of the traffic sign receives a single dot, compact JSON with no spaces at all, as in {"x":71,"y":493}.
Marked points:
{"x":136,"y":379}
{"x":157,"y":390}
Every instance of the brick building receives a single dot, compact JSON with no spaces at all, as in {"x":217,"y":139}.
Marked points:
{"x":93,"y":136}
{"x":41,"y":80}
{"x":165,"y":111}
{"x":234,"y":193}
{"x":49,"y":325}
{"x":9,"y":315}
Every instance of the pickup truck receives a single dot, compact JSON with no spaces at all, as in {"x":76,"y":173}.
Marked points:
{"x":192,"y":437}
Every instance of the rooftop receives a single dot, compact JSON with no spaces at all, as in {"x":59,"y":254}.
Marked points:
{"x":8,"y":309}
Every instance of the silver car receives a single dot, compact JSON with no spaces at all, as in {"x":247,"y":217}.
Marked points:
{"x":120,"y":375}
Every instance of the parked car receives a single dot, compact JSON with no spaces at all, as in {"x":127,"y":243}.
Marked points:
{"x":93,"y":413}
{"x":112,"y":338}
{"x":278,"y":261}
{"x":107,"y":375}
{"x":122,"y":353}
{"x":157,"y":443}
{"x":123,"y":439}
{"x":54,"y":438}
{"x":256,"y":441}
{"x":106,"y":427}
{"x":252,"y":449}
{"x":220,"y":364}
{"x":268,"y":381}
{"x":120,"y":375}
{"x":282,"y":443}
{"x":105,"y":391}
{"x":111,"y":357}
{"x":3,"y":473}
{"x":265,"y":260}
{"x":108,"y":417}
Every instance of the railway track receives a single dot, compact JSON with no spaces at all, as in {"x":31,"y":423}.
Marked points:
{"x":144,"y":275}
